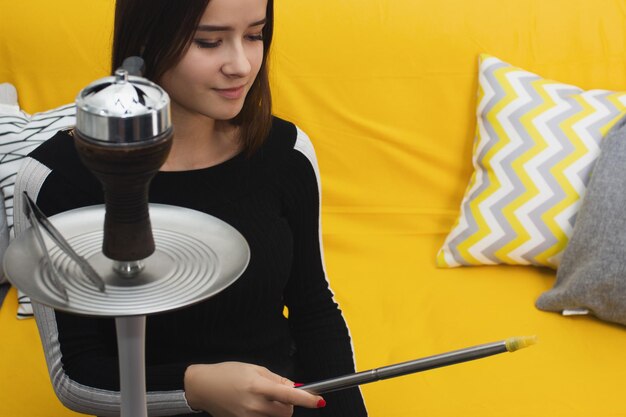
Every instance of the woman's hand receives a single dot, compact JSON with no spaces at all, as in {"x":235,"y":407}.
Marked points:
{"x":236,"y":389}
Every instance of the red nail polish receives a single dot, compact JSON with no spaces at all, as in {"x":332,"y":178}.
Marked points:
{"x":321,"y":403}
{"x":297,"y":384}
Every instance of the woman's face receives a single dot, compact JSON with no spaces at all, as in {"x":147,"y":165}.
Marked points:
{"x":214,"y":76}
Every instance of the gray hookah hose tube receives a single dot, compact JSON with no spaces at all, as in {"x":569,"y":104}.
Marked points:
{"x":418,"y":365}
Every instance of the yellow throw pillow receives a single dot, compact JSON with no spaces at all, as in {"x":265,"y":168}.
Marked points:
{"x":536,"y":142}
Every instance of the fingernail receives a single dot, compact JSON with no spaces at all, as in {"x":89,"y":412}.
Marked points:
{"x":321,"y":403}
{"x":297,"y":384}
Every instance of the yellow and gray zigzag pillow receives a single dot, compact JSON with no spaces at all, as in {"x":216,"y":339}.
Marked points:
{"x":536,"y":143}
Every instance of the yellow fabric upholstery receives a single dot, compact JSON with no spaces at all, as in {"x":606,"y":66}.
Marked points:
{"x":386,"y":89}
{"x":25,"y":386}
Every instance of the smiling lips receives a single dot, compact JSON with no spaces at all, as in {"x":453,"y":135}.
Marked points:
{"x":231,"y":93}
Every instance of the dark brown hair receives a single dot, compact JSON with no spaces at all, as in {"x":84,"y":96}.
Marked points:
{"x":161,"y":31}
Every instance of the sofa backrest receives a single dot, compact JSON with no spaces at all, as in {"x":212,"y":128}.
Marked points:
{"x":386,"y":89}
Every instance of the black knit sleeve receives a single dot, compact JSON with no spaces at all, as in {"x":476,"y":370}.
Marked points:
{"x":323,"y":345}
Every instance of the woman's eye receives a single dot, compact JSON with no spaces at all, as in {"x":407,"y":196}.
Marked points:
{"x":256,"y":37}
{"x":200,"y":43}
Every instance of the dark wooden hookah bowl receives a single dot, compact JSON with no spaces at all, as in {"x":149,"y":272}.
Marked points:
{"x":123,"y":135}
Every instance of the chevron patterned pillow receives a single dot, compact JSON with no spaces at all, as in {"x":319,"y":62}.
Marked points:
{"x":536,"y":142}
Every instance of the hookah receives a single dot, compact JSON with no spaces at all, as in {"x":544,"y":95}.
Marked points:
{"x":137,"y":258}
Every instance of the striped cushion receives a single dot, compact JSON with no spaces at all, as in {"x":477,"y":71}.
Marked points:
{"x":20,"y":133}
{"x":536,"y":142}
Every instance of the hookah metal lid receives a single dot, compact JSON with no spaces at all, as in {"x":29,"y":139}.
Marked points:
{"x":122,"y":109}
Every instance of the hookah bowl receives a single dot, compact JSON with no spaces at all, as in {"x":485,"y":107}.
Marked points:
{"x":152,"y":257}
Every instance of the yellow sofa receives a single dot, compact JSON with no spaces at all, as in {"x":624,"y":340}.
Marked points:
{"x":386,"y":89}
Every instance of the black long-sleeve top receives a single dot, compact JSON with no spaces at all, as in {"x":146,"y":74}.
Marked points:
{"x":272,"y":199}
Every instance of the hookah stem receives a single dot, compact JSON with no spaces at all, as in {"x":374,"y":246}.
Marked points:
{"x":418,"y":365}
{"x":125,"y":171}
{"x":123,"y":135}
{"x":131,"y":333}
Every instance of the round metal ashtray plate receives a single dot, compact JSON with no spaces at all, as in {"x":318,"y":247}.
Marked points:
{"x":196,"y":256}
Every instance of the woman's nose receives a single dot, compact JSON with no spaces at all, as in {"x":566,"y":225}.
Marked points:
{"x":237,"y":64}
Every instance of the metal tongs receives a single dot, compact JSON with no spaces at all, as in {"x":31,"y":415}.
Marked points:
{"x":38,"y":219}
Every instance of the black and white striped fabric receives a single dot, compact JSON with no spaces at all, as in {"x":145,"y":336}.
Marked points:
{"x":4,"y":242}
{"x":20,"y":133}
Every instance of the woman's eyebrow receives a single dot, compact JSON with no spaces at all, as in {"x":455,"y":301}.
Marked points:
{"x":213,"y":28}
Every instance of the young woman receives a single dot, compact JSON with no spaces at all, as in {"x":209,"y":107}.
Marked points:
{"x":235,"y":354}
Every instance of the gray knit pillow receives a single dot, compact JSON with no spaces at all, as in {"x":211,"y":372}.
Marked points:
{"x":592,"y":274}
